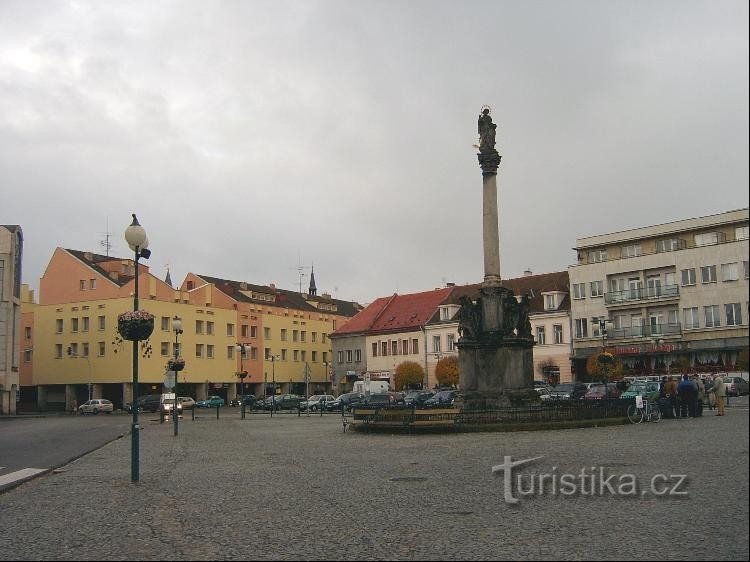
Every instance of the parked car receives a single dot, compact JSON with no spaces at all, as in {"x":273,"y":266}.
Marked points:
{"x":95,"y":406}
{"x":210,"y":402}
{"x":568,"y":391}
{"x":736,"y":386}
{"x":346,"y":401}
{"x":601,"y":391}
{"x":146,"y":403}
{"x":442,"y":398}
{"x":543,"y":392}
{"x":247,"y":399}
{"x":188,"y":403}
{"x":381,"y":400}
{"x":649,"y":390}
{"x":168,"y":403}
{"x":318,"y":401}
{"x":418,"y":397}
{"x":283,"y":402}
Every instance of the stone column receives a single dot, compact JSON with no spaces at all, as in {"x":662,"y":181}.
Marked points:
{"x":490,"y":230}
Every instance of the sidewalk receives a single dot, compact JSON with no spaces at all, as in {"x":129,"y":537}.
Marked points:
{"x":291,"y":488}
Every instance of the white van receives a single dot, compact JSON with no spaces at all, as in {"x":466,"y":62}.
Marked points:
{"x":167,"y":403}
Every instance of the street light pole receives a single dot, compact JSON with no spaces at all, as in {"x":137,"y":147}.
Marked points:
{"x":273,"y":382}
{"x":177,"y":327}
{"x":242,"y":374}
{"x":135,"y":236}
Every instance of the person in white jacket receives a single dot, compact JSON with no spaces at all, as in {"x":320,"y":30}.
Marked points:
{"x":720,"y":391}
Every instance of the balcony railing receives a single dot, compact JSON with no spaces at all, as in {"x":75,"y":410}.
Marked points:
{"x":642,"y":294}
{"x":647,"y":331}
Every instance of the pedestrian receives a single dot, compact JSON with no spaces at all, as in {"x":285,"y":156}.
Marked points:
{"x":719,"y":390}
{"x":670,"y":393}
{"x":700,"y":395}
{"x":686,"y":391}
{"x":708,"y":382}
{"x":74,"y":407}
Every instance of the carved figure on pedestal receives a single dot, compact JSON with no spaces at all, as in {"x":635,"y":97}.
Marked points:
{"x":510,"y":314}
{"x":523,"y":324}
{"x":486,"y":129}
{"x":469,"y":319}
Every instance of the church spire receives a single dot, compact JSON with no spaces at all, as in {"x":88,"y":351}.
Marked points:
{"x":313,"y":290}
{"x":168,"y":279}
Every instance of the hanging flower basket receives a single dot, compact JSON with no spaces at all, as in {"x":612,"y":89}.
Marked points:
{"x":136,"y":325}
{"x":176,"y":364}
{"x":606,"y":358}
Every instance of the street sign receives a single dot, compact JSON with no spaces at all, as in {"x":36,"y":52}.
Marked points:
{"x":169,"y":379}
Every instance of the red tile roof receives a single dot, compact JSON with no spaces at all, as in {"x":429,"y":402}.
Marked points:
{"x":396,"y":313}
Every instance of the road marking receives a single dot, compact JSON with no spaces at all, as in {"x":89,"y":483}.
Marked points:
{"x":22,"y":474}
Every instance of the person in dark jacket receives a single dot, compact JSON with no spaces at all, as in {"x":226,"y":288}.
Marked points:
{"x":687,"y":392}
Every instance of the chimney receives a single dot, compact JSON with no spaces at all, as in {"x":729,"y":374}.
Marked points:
{"x":450,"y":284}
{"x":527,"y":273}
{"x":272,"y":285}
{"x":326,"y":295}
{"x":243,"y":286}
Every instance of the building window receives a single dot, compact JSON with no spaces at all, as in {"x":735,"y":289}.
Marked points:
{"x":741,"y":233}
{"x":27,"y":332}
{"x":550,"y":302}
{"x":436,"y":344}
{"x":540,"y":335}
{"x":73,"y":350}
{"x":84,"y":349}
{"x":730,"y":271}
{"x":669,"y":245}
{"x":27,"y":356}
{"x":394,"y":347}
{"x":209,"y":351}
{"x":322,"y":337}
{"x":708,"y":274}
{"x":295,"y":335}
{"x":267,"y":333}
{"x":688,"y":276}
{"x":557,"y":330}
{"x":253,"y":353}
{"x":74,"y":324}
{"x":199,"y":326}
{"x":374,"y":349}
{"x":691,"y":317}
{"x":357,"y":355}
{"x":85,"y":324}
{"x":82,"y":284}
{"x":709,"y":238}
{"x":444,"y":314}
{"x":295,"y":355}
{"x":230,"y":329}
{"x":165,"y":348}
{"x":165,"y":323}
{"x":59,"y":326}
{"x":631,"y":251}
{"x":348,"y":355}
{"x":596,"y":256}
{"x":102,"y":322}
{"x":314,"y":356}
{"x":303,"y":336}
{"x":283,"y":334}
{"x":415,"y":346}
{"x":199,"y":350}
{"x":341,"y":357}
{"x":325,"y":357}
{"x":597,"y":288}
{"x":303,"y":356}
{"x":230,"y":352}
{"x":384,"y":348}
{"x":284,"y":355}
{"x":267,"y":353}
{"x":92,"y":283}
{"x":253,"y":331}
{"x":746,"y":267}
{"x":582,"y":330}
{"x":712,"y":316}
{"x":58,"y":351}
{"x":734,"y":314}
{"x":450,"y":342}
{"x":102,"y":349}
{"x":404,"y":347}
{"x":210,"y":328}
{"x":579,"y":290}
{"x":314,"y":337}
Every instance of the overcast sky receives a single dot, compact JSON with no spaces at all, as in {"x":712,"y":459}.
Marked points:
{"x":255,"y":137}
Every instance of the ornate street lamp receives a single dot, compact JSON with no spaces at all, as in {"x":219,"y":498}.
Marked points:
{"x":241,"y":375}
{"x":176,"y":366}
{"x":135,"y":236}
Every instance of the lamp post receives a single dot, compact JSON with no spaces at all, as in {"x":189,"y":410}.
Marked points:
{"x":273,"y":359}
{"x":242,"y":374}
{"x":177,"y":328}
{"x":603,"y":332}
{"x":135,"y":236}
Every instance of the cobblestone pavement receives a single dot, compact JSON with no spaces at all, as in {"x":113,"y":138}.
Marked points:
{"x":300,"y":488}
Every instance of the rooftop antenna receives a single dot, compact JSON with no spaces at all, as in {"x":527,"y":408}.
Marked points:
{"x":105,"y":243}
{"x":300,"y":271}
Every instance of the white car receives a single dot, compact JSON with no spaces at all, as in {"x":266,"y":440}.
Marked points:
{"x":543,"y":392}
{"x":317,"y":401}
{"x":186,"y":402}
{"x":95,"y":406}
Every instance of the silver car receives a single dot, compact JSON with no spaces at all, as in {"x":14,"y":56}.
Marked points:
{"x":736,"y":386}
{"x":95,"y":406}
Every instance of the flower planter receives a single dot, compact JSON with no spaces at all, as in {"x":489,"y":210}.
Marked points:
{"x":176,"y":365}
{"x":135,"y":326}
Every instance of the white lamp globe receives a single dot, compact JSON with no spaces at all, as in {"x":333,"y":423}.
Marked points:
{"x":135,"y":235}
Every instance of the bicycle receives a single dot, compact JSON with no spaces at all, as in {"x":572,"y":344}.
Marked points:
{"x":648,"y":411}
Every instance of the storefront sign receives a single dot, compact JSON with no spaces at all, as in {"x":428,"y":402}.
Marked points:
{"x":641,"y":349}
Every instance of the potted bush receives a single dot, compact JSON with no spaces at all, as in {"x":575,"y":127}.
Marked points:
{"x":176,"y":364}
{"x":135,"y":325}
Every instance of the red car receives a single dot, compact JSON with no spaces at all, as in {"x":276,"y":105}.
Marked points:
{"x":597,"y":391}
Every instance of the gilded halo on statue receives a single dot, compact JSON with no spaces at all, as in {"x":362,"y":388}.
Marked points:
{"x":487,"y":107}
